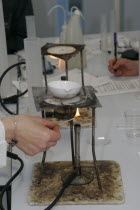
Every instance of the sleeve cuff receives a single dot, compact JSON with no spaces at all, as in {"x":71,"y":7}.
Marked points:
{"x":3,"y":146}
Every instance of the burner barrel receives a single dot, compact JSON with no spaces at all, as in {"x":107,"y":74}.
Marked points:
{"x":77,"y":128}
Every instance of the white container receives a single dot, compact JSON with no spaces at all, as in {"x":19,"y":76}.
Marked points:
{"x":74,"y":31}
{"x":64,"y":89}
{"x":74,"y":35}
{"x":62,"y":39}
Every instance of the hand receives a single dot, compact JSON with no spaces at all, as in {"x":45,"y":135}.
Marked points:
{"x":34,"y":134}
{"x":123,"y":67}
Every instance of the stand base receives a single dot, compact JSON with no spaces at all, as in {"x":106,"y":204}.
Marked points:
{"x":82,"y":179}
{"x":46,"y":192}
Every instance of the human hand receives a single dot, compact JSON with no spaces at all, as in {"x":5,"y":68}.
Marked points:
{"x":123,"y":67}
{"x":34,"y":134}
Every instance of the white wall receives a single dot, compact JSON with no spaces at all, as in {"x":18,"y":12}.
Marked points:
{"x":92,"y":9}
{"x":131,"y":15}
{"x":45,"y":25}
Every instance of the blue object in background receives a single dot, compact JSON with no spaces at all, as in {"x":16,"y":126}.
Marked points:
{"x":48,"y":66}
{"x":67,"y":4}
{"x":60,"y":14}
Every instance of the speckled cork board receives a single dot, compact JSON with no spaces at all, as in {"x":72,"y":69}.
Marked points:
{"x":45,"y":193}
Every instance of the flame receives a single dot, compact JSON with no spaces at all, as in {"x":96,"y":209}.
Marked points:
{"x":51,"y":56}
{"x":61,"y":64}
{"x":77,"y":113}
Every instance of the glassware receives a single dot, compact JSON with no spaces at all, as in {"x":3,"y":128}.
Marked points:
{"x":102,"y":136}
{"x":132,"y":123}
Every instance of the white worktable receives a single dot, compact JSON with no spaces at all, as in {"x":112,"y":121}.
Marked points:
{"x":119,"y":150}
{"x":107,"y":119}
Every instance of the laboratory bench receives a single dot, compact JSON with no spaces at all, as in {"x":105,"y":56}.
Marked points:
{"x":119,"y":149}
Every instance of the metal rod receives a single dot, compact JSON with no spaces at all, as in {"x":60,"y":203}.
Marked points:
{"x":71,"y":138}
{"x":82,"y":71}
{"x":77,"y":128}
{"x":19,"y":75}
{"x":42,"y":167}
{"x":11,"y":167}
{"x":44,"y":71}
{"x":93,"y":150}
{"x":66,"y":66}
{"x":43,"y":159}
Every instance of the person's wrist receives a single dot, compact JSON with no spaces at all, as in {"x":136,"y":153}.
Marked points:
{"x":135,"y":67}
{"x":9,"y":128}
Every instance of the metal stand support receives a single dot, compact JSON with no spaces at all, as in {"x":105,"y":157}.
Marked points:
{"x":93,"y":150}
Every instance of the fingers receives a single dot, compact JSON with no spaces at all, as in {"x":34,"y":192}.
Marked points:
{"x":123,"y":67}
{"x":118,"y":67}
{"x":118,"y":73}
{"x":47,"y":129}
{"x":114,"y":65}
{"x":35,"y":134}
{"x":49,"y":123}
{"x":111,"y":64}
{"x":32,"y":148}
{"x":53,"y":135}
{"x":54,"y":129}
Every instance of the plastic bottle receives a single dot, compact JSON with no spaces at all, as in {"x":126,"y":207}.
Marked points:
{"x":62,"y":39}
{"x":74,"y":32}
{"x":74,"y":35}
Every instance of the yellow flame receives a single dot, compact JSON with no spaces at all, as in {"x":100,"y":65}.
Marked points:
{"x":77,"y":113}
{"x":51,"y":56}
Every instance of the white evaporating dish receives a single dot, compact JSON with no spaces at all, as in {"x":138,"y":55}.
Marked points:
{"x":64,"y":89}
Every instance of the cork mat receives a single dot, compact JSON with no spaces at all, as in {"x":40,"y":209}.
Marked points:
{"x":46,"y":192}
{"x":85,"y":120}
